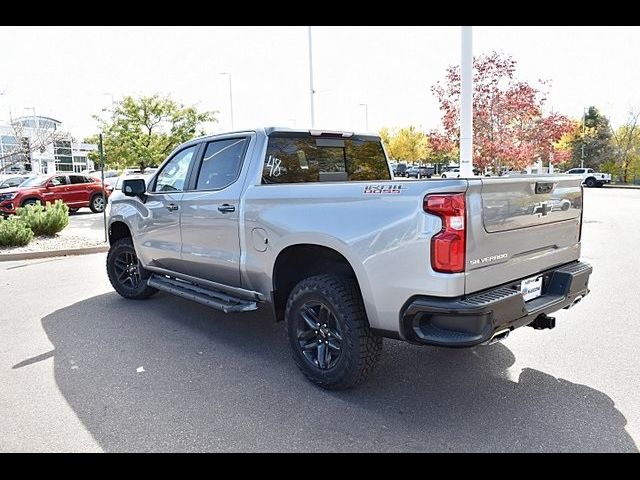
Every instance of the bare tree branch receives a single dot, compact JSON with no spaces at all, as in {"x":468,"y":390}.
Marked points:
{"x":36,"y":141}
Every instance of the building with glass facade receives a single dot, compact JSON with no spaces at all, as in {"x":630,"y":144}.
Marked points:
{"x":37,"y":144}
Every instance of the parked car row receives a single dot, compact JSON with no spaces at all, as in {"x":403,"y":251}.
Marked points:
{"x":419,"y":172}
{"x":76,"y":190}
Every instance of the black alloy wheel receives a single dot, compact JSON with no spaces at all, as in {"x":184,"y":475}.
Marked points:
{"x":127,"y":276}
{"x":127,"y":271}
{"x":319,"y":335}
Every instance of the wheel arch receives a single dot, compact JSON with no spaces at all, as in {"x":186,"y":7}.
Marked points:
{"x":30,"y":197}
{"x":298,"y":261}
{"x":118,"y":230}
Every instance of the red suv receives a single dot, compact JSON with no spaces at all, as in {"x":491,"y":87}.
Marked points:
{"x":73,"y":189}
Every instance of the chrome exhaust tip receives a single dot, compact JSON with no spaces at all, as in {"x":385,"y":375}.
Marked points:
{"x":498,"y":336}
{"x":575,"y":302}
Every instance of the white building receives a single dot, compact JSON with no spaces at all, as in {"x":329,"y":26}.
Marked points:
{"x":37,"y":144}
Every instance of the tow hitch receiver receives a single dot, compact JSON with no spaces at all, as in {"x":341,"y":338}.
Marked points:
{"x":543,"y":321}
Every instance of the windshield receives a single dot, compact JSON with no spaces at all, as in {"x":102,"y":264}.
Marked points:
{"x":34,"y":182}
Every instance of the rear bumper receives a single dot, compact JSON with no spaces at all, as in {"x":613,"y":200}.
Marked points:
{"x":477,"y":318}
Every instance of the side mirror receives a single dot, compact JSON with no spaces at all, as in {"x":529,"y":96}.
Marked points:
{"x":49,"y":184}
{"x":134,"y":187}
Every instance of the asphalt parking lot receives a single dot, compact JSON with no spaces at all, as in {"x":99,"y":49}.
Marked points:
{"x":82,"y":369}
{"x":85,"y":223}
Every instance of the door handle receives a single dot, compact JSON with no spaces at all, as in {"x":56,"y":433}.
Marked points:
{"x":172,"y":207}
{"x":226,"y":208}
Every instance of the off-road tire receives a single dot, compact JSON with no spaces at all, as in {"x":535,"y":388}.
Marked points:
{"x":360,"y":346}
{"x":119,"y":251}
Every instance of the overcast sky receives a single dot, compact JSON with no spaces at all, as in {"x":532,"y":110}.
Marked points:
{"x":65,"y":72}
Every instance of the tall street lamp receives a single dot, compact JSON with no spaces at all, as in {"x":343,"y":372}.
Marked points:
{"x":466,"y":103}
{"x":584,"y":121}
{"x":230,"y":97}
{"x":366,"y":115}
{"x":311,"y":91}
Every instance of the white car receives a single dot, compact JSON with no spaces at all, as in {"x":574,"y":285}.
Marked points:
{"x":452,"y":173}
{"x":116,"y":187}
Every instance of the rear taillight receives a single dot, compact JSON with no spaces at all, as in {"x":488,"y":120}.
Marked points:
{"x":448,"y":247}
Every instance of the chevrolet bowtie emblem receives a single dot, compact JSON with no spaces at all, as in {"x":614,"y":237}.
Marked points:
{"x":541,"y":209}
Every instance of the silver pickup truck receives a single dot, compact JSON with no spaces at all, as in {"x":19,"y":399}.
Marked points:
{"x":313,"y":225}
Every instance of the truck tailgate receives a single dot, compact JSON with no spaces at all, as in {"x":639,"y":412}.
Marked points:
{"x":519,"y":226}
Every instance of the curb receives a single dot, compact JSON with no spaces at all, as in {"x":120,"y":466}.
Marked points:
{"x":627,"y":187}
{"x":5,"y":257}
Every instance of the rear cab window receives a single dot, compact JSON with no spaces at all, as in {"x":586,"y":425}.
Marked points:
{"x":294,"y":157}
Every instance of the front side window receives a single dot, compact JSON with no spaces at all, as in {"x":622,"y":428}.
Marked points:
{"x":59,"y":180}
{"x":173,"y":175}
{"x":306,"y":158}
{"x":221,"y":163}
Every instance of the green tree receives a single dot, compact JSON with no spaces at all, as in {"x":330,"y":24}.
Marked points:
{"x":597,"y":139}
{"x":406,"y":144}
{"x":626,"y":141}
{"x":142,"y":131}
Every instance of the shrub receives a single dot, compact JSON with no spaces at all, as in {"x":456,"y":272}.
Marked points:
{"x":47,"y":220}
{"x":14,"y":233}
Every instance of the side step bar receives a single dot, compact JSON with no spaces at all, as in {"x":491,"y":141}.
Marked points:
{"x":210,"y":298}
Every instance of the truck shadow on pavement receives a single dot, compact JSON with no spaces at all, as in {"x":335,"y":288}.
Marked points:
{"x":170,"y":375}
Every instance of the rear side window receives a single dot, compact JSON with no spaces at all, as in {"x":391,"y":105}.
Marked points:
{"x":221,"y":163}
{"x":306,"y":158}
{"x":77,"y":179}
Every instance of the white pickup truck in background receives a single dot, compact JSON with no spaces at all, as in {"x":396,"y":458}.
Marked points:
{"x":591,"y":178}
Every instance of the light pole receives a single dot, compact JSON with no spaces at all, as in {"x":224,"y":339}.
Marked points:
{"x":230,"y":97}
{"x":466,"y":103}
{"x":366,"y":115}
{"x":584,"y":121}
{"x":311,"y":92}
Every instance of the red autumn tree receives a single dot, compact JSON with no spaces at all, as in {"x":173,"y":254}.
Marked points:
{"x":509,"y":126}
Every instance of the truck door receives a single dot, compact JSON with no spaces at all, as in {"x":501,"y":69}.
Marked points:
{"x":158,"y":237}
{"x":210,"y":212}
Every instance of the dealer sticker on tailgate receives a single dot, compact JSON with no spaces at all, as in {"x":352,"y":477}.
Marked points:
{"x":531,"y":288}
